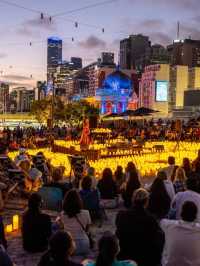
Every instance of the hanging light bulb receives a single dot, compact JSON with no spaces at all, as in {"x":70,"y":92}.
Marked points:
{"x":30,"y":43}
{"x":41,"y":16}
{"x":31,"y":76}
{"x":50,"y":19}
{"x":72,"y":39}
{"x":76,"y":24}
{"x":103,"y":30}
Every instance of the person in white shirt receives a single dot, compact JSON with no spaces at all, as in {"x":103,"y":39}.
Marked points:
{"x":191,"y":194}
{"x":182,"y":238}
{"x":170,"y":169}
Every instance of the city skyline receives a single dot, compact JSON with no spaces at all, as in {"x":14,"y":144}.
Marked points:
{"x":24,"y":34}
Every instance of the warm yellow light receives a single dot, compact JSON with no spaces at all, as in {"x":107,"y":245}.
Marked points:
{"x":9,"y":228}
{"x":15,"y":222}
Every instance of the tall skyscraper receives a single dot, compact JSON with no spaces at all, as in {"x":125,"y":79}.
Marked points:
{"x":185,"y":52}
{"x":131,"y":49}
{"x":54,"y":55}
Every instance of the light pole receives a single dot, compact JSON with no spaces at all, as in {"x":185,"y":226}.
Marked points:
{"x":54,"y":77}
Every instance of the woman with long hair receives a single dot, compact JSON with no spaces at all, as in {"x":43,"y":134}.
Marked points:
{"x":108,"y":247}
{"x":129,"y":187}
{"x":187,"y":167}
{"x":159,"y":199}
{"x":76,"y":221}
{"x":119,"y":177}
{"x":107,"y":185}
{"x":180,"y":180}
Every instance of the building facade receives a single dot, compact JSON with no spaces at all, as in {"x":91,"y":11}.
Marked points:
{"x":54,"y":55}
{"x":154,"y":88}
{"x":185,"y":52}
{"x":4,"y":97}
{"x":131,"y":50}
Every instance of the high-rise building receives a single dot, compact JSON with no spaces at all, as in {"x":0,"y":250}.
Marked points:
{"x":4,"y":98}
{"x":185,"y":52}
{"x":131,"y":49}
{"x":54,"y":55}
{"x":194,"y":78}
{"x":154,"y":55}
{"x":107,"y":58}
{"x":77,"y":62}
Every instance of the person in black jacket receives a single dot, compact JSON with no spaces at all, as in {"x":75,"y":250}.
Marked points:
{"x":36,"y":226}
{"x":140,"y":236}
{"x":61,"y":248}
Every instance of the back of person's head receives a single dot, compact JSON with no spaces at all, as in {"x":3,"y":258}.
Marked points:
{"x":57,"y":175}
{"x":130,"y":167}
{"x":192,"y":183}
{"x":186,"y":163}
{"x":171,"y":160}
{"x":162,"y":175}
{"x":158,"y":186}
{"x":189,"y":211}
{"x":140,"y":198}
{"x":91,"y":171}
{"x":108,"y":249}
{"x":133,"y":180}
{"x":72,"y":203}
{"x":107,"y":174}
{"x":34,"y":202}
{"x":61,"y":245}
{"x":86,"y":183}
{"x":119,"y":169}
{"x":180,"y":174}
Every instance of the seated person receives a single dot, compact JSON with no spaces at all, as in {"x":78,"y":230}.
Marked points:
{"x":182,"y":238}
{"x":32,"y":176}
{"x":107,"y":255}
{"x":57,"y":181}
{"x":41,"y":164}
{"x":36,"y":226}
{"x":90,"y":198}
{"x":108,"y":189}
{"x":61,"y":247}
{"x":76,"y":221}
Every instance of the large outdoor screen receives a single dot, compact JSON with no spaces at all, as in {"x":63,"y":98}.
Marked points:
{"x":161,"y":91}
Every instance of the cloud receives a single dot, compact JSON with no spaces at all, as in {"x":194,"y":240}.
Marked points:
{"x":3,"y":55}
{"x":44,"y":23}
{"x":183,"y":4}
{"x":160,"y":37}
{"x":17,"y":77}
{"x":25,"y":31}
{"x":151,"y":23}
{"x":92,"y":42}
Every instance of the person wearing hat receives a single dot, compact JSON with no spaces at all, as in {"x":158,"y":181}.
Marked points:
{"x":36,"y":226}
{"x":140,"y":236}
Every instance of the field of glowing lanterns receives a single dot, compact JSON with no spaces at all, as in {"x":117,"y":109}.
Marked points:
{"x":148,"y":163}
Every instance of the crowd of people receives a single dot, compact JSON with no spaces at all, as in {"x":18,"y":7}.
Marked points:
{"x":157,"y":223}
{"x":147,"y":130}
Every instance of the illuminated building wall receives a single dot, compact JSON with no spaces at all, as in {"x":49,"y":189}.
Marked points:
{"x":148,"y":87}
{"x":115,"y":93}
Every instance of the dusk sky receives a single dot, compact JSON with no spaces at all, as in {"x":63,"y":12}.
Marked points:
{"x":19,"y":27}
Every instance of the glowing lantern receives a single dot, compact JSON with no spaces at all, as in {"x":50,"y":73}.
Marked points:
{"x":9,"y":228}
{"x":15,"y":222}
